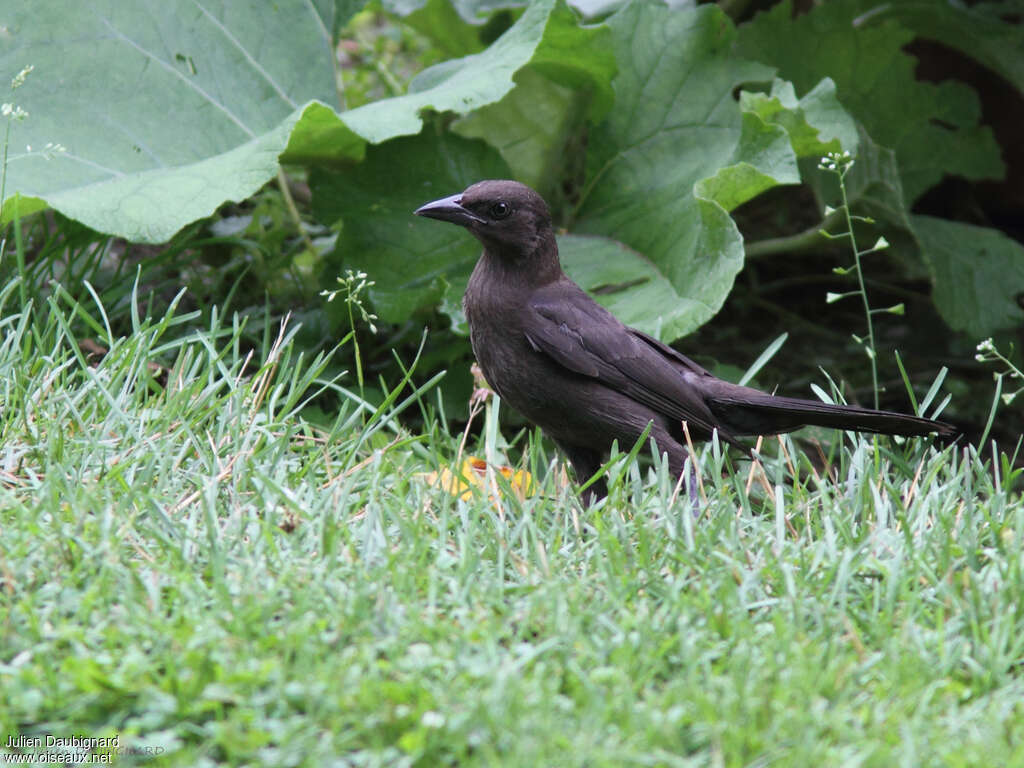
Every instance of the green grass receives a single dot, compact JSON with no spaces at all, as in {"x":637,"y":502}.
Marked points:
{"x":187,"y":563}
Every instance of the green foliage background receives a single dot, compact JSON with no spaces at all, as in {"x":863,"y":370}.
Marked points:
{"x":629,"y":124}
{"x":647,"y":127}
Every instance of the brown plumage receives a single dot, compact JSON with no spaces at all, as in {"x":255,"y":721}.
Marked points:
{"x":570,"y":367}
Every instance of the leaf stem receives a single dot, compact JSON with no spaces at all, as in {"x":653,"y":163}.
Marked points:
{"x":293,"y":211}
{"x":807,"y":240}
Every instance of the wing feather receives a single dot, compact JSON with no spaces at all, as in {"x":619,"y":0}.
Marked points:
{"x":585,"y":338}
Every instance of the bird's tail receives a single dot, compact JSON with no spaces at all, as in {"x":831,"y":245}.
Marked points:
{"x":757,"y":413}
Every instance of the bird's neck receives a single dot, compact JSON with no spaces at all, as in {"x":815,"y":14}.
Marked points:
{"x":500,"y":285}
{"x":532,"y":266}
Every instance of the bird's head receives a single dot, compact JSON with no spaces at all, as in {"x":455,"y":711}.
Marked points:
{"x":510,"y":219}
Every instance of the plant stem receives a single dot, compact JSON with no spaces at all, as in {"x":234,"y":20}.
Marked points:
{"x":293,"y":211}
{"x":19,"y":246}
{"x":355,"y":346}
{"x":802,"y":241}
{"x":3,"y":166}
{"x":857,"y":253}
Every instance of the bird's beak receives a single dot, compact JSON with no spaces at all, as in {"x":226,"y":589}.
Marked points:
{"x":450,"y":209}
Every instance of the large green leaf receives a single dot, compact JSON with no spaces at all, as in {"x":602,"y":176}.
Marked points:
{"x":623,"y":281}
{"x":165,"y":110}
{"x":677,"y":153}
{"x":535,"y":124}
{"x":546,"y":35}
{"x":531,"y":127}
{"x":933,"y":128}
{"x":978,"y":273}
{"x":546,"y":38}
{"x":168,"y":111}
{"x":413,"y":261}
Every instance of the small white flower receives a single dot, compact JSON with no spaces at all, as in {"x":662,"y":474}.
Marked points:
{"x":19,"y":79}
{"x":432,"y":719}
{"x":13,"y":111}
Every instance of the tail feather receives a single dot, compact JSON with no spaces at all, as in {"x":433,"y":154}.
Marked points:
{"x":766,"y":414}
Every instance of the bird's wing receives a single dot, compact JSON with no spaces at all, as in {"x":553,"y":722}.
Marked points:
{"x":564,"y":323}
{"x":675,"y":356}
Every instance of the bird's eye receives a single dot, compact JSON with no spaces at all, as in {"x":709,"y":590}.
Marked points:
{"x":500,"y":209}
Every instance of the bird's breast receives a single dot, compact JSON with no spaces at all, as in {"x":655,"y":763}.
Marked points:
{"x":501,"y":348}
{"x":502,"y":352}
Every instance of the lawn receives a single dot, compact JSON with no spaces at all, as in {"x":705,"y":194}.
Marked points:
{"x":190,"y":565}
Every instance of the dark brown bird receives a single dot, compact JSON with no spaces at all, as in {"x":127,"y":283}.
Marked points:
{"x":570,"y":367}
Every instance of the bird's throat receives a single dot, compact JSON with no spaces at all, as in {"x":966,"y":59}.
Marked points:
{"x":531,"y":265}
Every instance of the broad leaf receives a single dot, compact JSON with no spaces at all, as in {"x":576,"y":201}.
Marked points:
{"x":546,"y":35}
{"x":546,"y":38}
{"x":816,"y":124}
{"x":677,"y":152}
{"x":626,"y":283}
{"x":165,"y":110}
{"x":933,"y":128}
{"x":537,"y":125}
{"x":978,"y":273}
{"x":418,"y":263}
{"x":530,"y":127}
{"x":237,"y":97}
